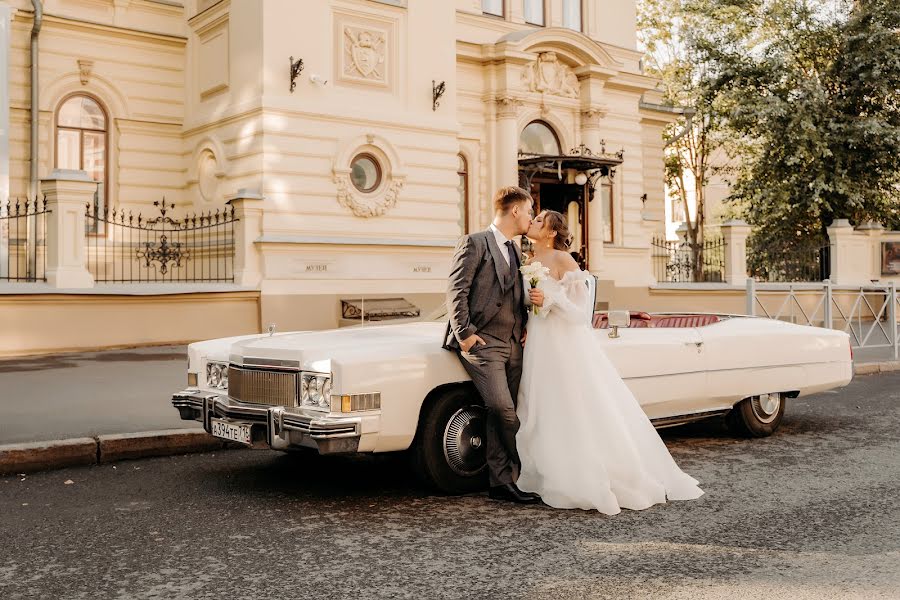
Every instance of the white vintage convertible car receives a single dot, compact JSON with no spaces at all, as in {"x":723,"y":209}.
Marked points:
{"x":389,"y":388}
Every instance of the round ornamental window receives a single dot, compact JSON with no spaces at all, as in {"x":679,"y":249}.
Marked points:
{"x":365,"y":173}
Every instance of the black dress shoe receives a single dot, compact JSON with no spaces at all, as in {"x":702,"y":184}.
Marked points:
{"x":509,"y":491}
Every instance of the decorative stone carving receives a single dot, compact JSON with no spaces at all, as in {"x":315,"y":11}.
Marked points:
{"x":84,"y":70}
{"x":208,"y":175}
{"x":363,"y":205}
{"x":507,"y":106}
{"x":549,"y":76}
{"x":364,"y":53}
{"x":590,"y":117}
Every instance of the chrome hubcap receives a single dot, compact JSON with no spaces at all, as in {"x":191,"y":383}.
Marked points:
{"x":464,"y":446}
{"x":766,"y":406}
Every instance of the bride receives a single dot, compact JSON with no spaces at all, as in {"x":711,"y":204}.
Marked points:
{"x":584,"y":442}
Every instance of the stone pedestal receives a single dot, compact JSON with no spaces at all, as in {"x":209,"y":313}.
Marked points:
{"x":735,"y":233}
{"x":850,"y":259}
{"x":68,"y":193}
{"x":248,"y":210}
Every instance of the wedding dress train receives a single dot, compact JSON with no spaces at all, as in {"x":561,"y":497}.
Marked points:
{"x":584,"y":441}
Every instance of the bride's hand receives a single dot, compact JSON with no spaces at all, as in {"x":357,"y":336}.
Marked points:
{"x":537,"y":296}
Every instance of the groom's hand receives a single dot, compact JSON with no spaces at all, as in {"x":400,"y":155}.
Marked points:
{"x":468,"y":343}
{"x":537,"y":296}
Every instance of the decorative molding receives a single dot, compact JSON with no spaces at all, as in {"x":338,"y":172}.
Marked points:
{"x":590,"y":117}
{"x":547,"y":75}
{"x":84,"y":70}
{"x":364,"y":53}
{"x":507,"y":106}
{"x":366,"y":206}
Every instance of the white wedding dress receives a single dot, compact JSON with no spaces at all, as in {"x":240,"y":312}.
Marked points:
{"x":584,"y":440}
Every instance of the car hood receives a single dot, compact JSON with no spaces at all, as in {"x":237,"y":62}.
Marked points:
{"x":314,"y":349}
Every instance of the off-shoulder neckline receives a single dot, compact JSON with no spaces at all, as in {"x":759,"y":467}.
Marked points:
{"x":567,"y":273}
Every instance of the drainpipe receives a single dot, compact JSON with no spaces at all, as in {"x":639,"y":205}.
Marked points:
{"x":35,"y":31}
{"x":33,"y":183}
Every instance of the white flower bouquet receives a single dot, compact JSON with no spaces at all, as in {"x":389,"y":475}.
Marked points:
{"x":535,"y":273}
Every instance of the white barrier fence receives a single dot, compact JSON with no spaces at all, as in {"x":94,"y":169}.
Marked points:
{"x":867,"y":313}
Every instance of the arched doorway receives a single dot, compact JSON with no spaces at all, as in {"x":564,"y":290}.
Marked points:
{"x":564,"y":182}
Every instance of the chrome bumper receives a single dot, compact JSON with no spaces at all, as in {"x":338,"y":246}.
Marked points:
{"x":275,"y":425}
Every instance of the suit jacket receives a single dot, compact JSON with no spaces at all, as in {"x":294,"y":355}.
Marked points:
{"x":479,"y":278}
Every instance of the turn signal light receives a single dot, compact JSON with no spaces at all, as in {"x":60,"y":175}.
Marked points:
{"x":192,"y":379}
{"x":355,"y":402}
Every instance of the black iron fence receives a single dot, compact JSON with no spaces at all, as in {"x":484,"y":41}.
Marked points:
{"x":684,"y":262}
{"x":802,"y":260}
{"x":23,"y":226}
{"x":135,"y":249}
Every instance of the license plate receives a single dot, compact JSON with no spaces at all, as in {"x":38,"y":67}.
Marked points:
{"x":231,"y":431}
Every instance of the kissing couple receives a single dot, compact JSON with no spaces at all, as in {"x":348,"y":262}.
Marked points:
{"x":562,"y":427}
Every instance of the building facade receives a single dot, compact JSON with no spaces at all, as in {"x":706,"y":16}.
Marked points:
{"x":365,"y":163}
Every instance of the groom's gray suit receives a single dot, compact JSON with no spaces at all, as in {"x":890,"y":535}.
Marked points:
{"x":485,"y":296}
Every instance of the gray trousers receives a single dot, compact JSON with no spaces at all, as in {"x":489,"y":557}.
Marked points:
{"x":496,"y":369}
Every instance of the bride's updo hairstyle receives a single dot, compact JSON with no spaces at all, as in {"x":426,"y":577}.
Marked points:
{"x":555,"y":221}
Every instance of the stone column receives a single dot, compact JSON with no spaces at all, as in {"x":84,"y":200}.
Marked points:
{"x":506,"y":148}
{"x":68,"y":193}
{"x":6,"y":14}
{"x":590,"y":127}
{"x":735,"y":233}
{"x":248,"y":210}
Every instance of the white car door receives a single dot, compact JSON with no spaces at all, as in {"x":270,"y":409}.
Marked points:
{"x":665,"y":368}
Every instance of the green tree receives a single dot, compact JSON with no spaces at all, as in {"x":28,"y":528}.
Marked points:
{"x":666,"y":29}
{"x":811,"y":91}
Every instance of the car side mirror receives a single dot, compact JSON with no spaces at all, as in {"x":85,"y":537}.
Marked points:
{"x":616,"y":319}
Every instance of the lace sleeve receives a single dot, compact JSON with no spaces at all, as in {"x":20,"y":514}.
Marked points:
{"x":571,"y":299}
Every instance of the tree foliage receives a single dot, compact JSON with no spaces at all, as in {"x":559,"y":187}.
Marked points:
{"x":811,"y":92}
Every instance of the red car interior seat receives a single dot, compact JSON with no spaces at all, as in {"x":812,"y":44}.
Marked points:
{"x":638,"y":319}
{"x":684,"y":321}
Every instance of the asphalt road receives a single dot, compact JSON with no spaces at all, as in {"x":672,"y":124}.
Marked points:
{"x":810,"y":513}
{"x":85,"y":394}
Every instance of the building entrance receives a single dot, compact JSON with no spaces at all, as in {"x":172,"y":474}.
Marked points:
{"x":570,"y":200}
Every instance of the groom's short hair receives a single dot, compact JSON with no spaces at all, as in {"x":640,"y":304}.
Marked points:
{"x":507,"y":196}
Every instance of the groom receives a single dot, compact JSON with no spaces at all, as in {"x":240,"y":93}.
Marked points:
{"x":485,"y":298}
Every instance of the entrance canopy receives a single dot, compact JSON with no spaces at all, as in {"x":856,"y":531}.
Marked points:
{"x":581,"y":159}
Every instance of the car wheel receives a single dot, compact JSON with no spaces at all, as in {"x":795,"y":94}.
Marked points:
{"x":449,"y":451}
{"x":757,"y":416}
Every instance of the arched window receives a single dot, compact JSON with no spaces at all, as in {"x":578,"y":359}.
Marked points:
{"x":81,"y":144}
{"x":463,"y":172}
{"x":539,"y":138}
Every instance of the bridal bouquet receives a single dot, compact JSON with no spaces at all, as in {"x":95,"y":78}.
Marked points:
{"x":535,"y":273}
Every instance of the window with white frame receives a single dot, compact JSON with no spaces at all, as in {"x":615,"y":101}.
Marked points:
{"x":572,"y":14}
{"x":492,"y":7}
{"x":534,"y":12}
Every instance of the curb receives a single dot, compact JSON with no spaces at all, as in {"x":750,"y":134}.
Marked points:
{"x":42,"y":456}
{"x":877,"y":367}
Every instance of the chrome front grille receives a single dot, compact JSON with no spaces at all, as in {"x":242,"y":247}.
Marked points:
{"x":259,"y":386}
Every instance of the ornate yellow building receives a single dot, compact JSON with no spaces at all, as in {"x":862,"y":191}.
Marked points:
{"x":355,"y":170}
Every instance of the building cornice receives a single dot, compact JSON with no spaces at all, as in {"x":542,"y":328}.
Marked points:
{"x":107,"y":30}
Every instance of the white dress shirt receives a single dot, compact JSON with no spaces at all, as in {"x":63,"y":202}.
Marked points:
{"x":501,"y":242}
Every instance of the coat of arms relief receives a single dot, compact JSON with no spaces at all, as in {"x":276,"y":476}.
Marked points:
{"x":548,"y":75}
{"x":364,"y":54}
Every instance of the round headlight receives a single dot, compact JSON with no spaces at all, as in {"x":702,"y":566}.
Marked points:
{"x":213,"y":375}
{"x":325,"y":388}
{"x":304,"y":389}
{"x":315,"y":391}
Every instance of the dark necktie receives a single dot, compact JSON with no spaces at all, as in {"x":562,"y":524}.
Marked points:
{"x":513,"y":257}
